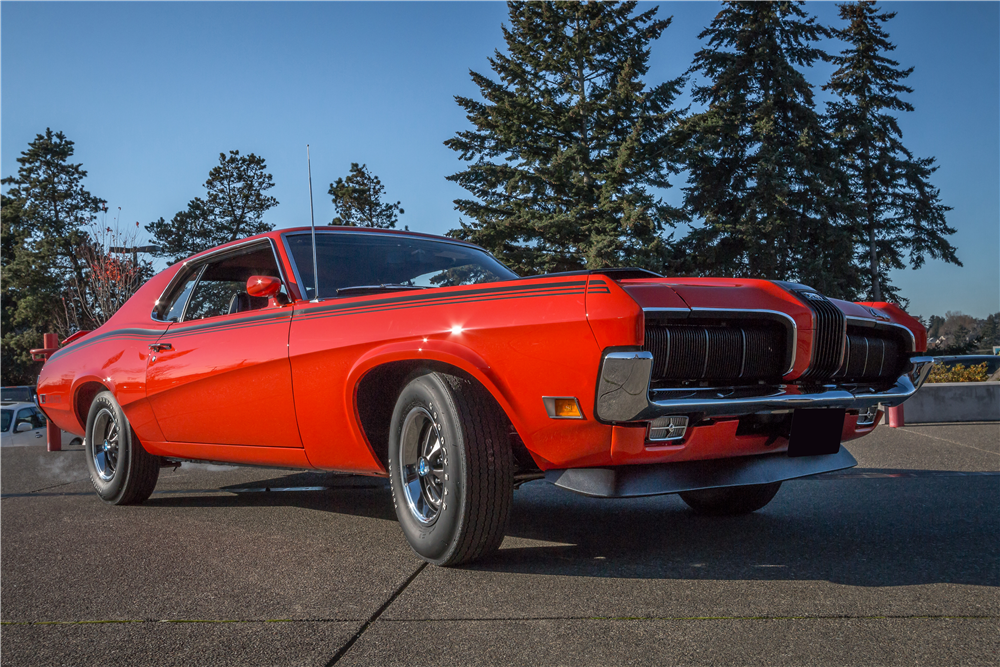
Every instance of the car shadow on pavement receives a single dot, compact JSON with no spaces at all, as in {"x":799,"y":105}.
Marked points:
{"x":879,"y":531}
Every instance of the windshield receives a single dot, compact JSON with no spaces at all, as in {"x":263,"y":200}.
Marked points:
{"x":7,"y":416}
{"x":352,"y":260}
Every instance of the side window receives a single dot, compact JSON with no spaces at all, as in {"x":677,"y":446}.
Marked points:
{"x":221,"y":289}
{"x":28,"y":415}
{"x":38,"y":419}
{"x":180,"y":298}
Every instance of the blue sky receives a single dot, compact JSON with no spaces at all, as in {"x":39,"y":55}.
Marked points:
{"x":152,"y":93}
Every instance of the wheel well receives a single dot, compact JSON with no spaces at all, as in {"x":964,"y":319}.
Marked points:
{"x":376,"y":399}
{"x":84,"y":397}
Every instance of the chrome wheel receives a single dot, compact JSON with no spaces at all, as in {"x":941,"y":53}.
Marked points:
{"x":106,"y":436}
{"x":423,"y":466}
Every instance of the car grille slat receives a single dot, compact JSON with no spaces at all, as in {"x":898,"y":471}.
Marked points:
{"x":872,"y":356}
{"x":830,"y":327}
{"x":743,"y":353}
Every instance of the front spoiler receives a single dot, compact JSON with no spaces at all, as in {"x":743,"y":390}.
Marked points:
{"x":623,"y":393}
{"x":657,"y":479}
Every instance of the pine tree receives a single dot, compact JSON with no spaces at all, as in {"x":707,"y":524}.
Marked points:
{"x":898,"y":210}
{"x":358,"y":200}
{"x":233,"y":208}
{"x":569,"y":144}
{"x":44,"y":218}
{"x":761,"y":166}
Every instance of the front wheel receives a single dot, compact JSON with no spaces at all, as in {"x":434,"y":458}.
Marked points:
{"x":450,"y":469}
{"x":732,"y":500}
{"x":122,"y":472}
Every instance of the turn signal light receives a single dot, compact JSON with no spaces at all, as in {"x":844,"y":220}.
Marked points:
{"x":562,"y":407}
{"x":567,"y":407}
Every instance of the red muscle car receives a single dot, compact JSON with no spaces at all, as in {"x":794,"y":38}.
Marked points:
{"x":425,"y":360}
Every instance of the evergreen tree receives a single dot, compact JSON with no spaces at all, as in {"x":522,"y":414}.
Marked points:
{"x":761,"y":166}
{"x":358,"y":200}
{"x":233,"y":208}
{"x":898,"y":210}
{"x":568,"y":142}
{"x":44,"y":218}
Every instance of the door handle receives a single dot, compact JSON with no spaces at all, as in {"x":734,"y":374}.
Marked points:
{"x":38,"y":435}
{"x":159,"y":347}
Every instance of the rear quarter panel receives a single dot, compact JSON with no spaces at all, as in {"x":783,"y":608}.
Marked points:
{"x":113,"y":356}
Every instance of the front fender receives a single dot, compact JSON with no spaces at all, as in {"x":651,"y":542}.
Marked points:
{"x":439,"y":351}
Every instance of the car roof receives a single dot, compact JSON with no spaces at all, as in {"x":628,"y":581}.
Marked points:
{"x":330,"y":229}
{"x":17,"y":404}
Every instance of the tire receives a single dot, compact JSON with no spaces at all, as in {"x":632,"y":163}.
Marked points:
{"x":122,"y":472}
{"x":450,"y":469}
{"x":732,"y":500}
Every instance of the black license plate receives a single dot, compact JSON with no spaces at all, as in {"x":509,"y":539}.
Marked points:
{"x":816,"y":431}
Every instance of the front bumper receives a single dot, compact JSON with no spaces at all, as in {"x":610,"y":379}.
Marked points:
{"x":623,"y":393}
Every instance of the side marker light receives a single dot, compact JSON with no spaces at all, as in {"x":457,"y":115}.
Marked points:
{"x":562,"y":407}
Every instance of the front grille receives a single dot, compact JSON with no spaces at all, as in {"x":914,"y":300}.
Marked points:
{"x":740,"y":352}
{"x":872,"y":356}
{"x":828,"y":336}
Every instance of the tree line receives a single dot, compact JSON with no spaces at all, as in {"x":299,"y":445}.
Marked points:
{"x":566,"y":162}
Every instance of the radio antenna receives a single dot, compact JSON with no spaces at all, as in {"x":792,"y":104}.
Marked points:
{"x":312,"y":222}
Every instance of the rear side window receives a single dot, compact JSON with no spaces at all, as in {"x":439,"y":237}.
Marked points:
{"x":6,"y":416}
{"x":175,"y":308}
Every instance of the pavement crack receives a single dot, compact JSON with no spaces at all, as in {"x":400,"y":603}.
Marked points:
{"x":374,"y":617}
{"x":44,"y":488}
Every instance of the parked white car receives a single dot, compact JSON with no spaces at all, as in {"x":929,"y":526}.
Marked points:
{"x":24,"y":424}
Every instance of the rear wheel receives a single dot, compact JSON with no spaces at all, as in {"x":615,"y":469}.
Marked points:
{"x":731,"y":501}
{"x":450,"y":468}
{"x":122,"y":472}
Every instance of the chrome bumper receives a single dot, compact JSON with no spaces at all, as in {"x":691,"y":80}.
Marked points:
{"x":623,"y":393}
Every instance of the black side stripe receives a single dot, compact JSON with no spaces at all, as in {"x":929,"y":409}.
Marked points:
{"x":564,"y":288}
{"x":142,"y":334}
{"x":464,"y":295}
{"x":427,"y":304}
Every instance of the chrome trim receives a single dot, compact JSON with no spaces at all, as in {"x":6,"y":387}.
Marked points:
{"x":550,"y":406}
{"x":361,"y":232}
{"x":671,"y":428}
{"x":876,"y":324}
{"x":623,"y":393}
{"x":623,"y":385}
{"x":630,"y":481}
{"x":666,"y":310}
{"x":867,"y":416}
{"x":204,"y":258}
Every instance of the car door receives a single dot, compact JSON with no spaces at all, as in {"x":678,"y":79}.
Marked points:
{"x":220,"y":373}
{"x":34,"y":435}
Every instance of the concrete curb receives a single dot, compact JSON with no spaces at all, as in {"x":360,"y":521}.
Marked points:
{"x":954,"y":402}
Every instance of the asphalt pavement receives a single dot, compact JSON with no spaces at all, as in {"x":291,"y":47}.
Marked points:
{"x":895,"y":562}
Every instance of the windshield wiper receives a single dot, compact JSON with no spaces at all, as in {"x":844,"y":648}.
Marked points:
{"x":384,"y":287}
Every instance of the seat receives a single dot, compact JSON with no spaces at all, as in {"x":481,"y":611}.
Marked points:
{"x":242,"y":302}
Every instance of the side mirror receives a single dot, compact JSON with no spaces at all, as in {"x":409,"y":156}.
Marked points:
{"x":266,"y":286}
{"x":22,"y":427}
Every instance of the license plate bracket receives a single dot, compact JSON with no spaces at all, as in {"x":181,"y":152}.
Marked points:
{"x":816,"y":431}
